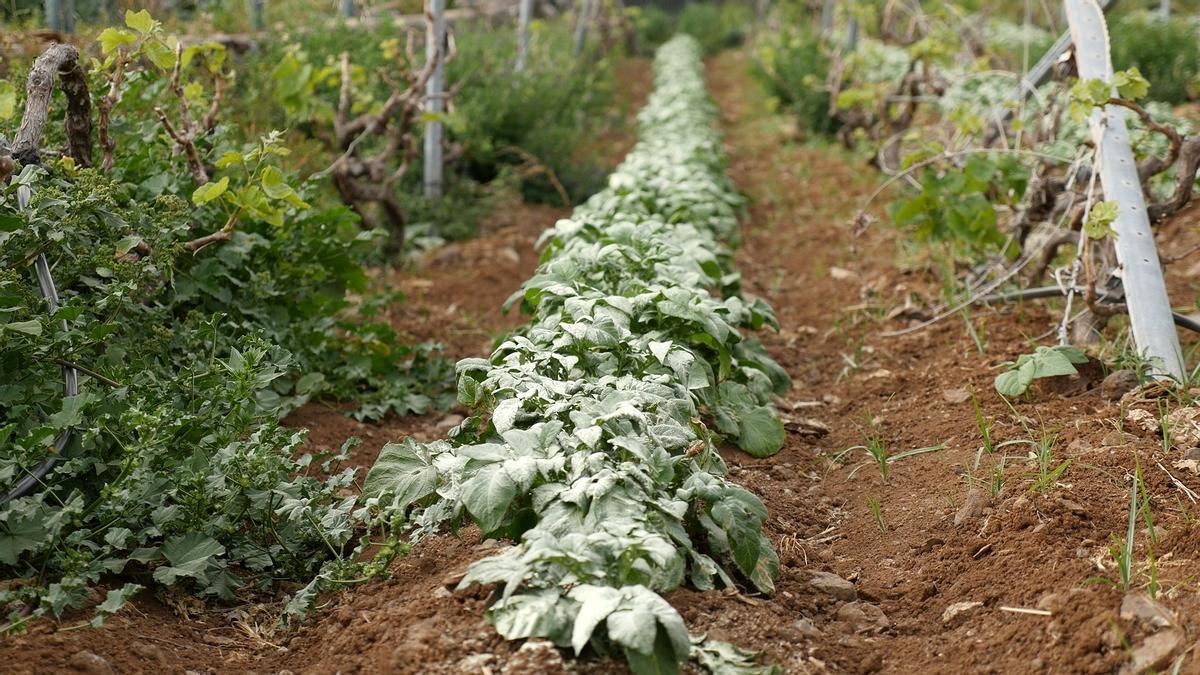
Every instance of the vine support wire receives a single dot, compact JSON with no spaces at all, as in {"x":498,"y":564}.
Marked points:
{"x":435,"y":104}
{"x":1142,"y":277}
{"x":70,"y":376}
{"x":524,"y":17}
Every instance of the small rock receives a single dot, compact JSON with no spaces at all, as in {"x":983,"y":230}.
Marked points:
{"x":476,"y":663}
{"x":956,"y":395}
{"x":442,"y":592}
{"x":1117,"y":384}
{"x":807,"y":628}
{"x":863,"y":615}
{"x":871,"y":663}
{"x":449,"y":421}
{"x":536,"y":656}
{"x":972,"y":507}
{"x":1144,"y":420}
{"x":842,"y":274}
{"x":89,"y":662}
{"x":959,"y":612}
{"x":1117,"y":439}
{"x":1139,"y":606}
{"x":511,"y":253}
{"x":1192,"y":454}
{"x":833,"y":585}
{"x":1155,"y":652}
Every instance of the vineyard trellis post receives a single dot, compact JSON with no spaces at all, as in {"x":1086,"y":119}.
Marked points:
{"x":525,"y":15}
{"x":581,"y":27}
{"x":60,"y":15}
{"x":851,"y":35}
{"x":828,"y":7}
{"x":435,"y":104}
{"x":1164,"y":9}
{"x":258,"y":11}
{"x":1145,"y":289}
{"x":346,"y":7}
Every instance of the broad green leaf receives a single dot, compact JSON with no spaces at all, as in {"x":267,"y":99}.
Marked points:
{"x":487,"y":496}
{"x":30,"y":327}
{"x":596,"y":604}
{"x":141,"y":21}
{"x":210,"y":191}
{"x":8,"y":100}
{"x":113,"y":38}
{"x":189,"y":556}
{"x":761,"y":434}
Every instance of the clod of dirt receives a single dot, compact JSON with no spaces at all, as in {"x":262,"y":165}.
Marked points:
{"x":863,"y":616}
{"x":1154,"y":653}
{"x":956,"y":395}
{"x":842,"y":274}
{"x":834,"y":586}
{"x":977,"y":500}
{"x":1117,"y":384}
{"x":1148,"y":613}
{"x":1184,"y":427}
{"x":536,"y":656}
{"x":1117,"y":439}
{"x":959,"y":612}
{"x":477,"y":663}
{"x":1143,"y":420}
{"x":807,"y":628}
{"x":93,"y":664}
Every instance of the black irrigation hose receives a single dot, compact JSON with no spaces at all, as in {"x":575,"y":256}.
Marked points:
{"x":1057,"y":291}
{"x":70,"y":375}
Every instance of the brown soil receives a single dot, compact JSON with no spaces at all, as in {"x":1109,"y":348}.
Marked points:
{"x":1030,"y":557}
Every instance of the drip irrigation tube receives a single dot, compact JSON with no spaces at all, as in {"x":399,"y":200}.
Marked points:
{"x":70,"y":376}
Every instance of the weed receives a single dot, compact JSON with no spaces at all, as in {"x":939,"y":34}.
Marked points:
{"x":877,"y":511}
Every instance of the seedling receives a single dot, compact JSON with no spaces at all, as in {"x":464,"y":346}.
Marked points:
{"x":983,"y":424}
{"x":877,"y":449}
{"x":1048,"y":472}
{"x":877,"y":511}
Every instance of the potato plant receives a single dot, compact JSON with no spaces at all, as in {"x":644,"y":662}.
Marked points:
{"x":590,"y":445}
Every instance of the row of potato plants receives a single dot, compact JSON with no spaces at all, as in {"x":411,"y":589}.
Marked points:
{"x":592,"y":443}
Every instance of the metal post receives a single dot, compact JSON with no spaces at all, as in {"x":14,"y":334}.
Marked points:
{"x":435,"y":47}
{"x":347,"y":9}
{"x":851,"y":35}
{"x":523,"y":19}
{"x":60,"y":15}
{"x":1164,"y":9}
{"x":258,"y":10}
{"x":1145,"y":291}
{"x":827,"y":10}
{"x":581,"y":27}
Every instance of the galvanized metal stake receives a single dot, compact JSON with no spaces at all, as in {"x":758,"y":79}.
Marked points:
{"x":1142,"y":277}
{"x":435,"y":48}
{"x":581,"y":27}
{"x":258,"y":10}
{"x":827,"y":10}
{"x":60,"y":15}
{"x":523,"y":19}
{"x":347,"y":9}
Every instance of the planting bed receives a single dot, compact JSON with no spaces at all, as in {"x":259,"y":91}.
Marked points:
{"x":921,"y":570}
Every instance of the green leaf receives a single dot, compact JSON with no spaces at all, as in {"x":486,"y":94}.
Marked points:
{"x":127,"y":244}
{"x":71,"y":413}
{"x":487,"y":496}
{"x":1009,"y":384}
{"x":141,"y":21}
{"x":210,"y":191}
{"x":404,"y":472}
{"x":21,"y":533}
{"x":30,"y":327}
{"x":113,"y":38}
{"x":189,"y":556}
{"x":761,"y":433}
{"x":113,"y":602}
{"x":8,"y":100}
{"x":1131,"y":84}
{"x":1100,"y":219}
{"x":596,"y":604}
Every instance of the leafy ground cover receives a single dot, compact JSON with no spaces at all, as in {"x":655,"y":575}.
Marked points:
{"x":1053,"y":531}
